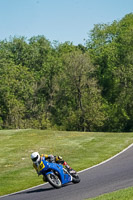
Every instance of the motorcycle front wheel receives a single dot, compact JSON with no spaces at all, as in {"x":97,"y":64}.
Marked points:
{"x":54,"y":180}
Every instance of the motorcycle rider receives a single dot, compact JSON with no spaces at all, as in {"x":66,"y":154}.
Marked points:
{"x":37,"y":158}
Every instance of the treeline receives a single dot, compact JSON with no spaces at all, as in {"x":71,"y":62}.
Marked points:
{"x":66,"y":87}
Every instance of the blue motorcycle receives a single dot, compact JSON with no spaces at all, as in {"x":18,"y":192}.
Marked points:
{"x":56,"y":174}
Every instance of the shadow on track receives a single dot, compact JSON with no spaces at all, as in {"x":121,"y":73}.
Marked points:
{"x":39,"y":190}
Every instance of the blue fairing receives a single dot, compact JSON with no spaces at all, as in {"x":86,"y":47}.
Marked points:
{"x":49,"y":168}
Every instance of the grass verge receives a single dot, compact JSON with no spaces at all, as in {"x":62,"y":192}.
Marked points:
{"x":125,"y":194}
{"x":80,"y":149}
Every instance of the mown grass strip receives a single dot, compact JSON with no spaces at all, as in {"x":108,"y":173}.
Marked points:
{"x":80,"y":149}
{"x":124,"y":194}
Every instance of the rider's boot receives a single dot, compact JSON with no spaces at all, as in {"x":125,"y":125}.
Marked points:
{"x":69,"y":169}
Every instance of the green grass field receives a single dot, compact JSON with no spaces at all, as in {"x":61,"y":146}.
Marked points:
{"x":125,"y":194}
{"x":80,"y":149}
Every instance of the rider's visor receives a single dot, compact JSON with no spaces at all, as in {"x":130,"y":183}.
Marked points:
{"x":34,"y":159}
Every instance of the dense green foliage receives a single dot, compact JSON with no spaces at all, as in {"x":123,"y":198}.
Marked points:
{"x":111,"y":48}
{"x":85,"y":88}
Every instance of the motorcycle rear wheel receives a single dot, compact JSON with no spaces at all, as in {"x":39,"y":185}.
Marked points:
{"x":54,"y":180}
{"x":75,"y":178}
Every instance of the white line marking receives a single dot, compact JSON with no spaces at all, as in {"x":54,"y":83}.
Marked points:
{"x":78,"y":172}
{"x":108,"y":159}
{"x":23,"y":190}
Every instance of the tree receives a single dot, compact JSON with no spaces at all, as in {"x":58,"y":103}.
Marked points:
{"x":79,"y":97}
{"x":38,"y":50}
{"x":16,"y":89}
{"x":111,"y":47}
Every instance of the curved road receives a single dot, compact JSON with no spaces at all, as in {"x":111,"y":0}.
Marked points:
{"x":114,"y":174}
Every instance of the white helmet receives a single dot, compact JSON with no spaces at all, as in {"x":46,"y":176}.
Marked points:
{"x":35,"y":157}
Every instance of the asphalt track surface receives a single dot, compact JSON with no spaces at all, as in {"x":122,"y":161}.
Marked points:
{"x":113,"y":174}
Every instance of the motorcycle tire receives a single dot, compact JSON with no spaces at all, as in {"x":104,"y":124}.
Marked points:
{"x":54,"y":180}
{"x":75,"y":178}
